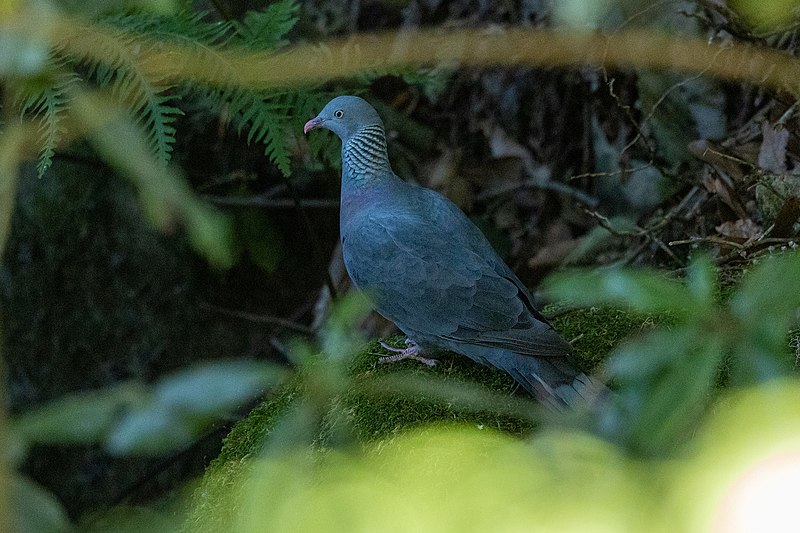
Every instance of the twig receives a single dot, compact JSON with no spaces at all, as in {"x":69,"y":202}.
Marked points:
{"x":751,"y":243}
{"x":256,"y":317}
{"x":535,"y":183}
{"x":781,"y":123}
{"x":741,"y":251}
{"x":262,"y":201}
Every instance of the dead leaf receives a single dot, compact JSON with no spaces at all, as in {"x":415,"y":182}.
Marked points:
{"x":440,"y":169}
{"x":442,"y":175}
{"x":772,"y":155}
{"x":740,"y":230}
{"x":716,"y":183}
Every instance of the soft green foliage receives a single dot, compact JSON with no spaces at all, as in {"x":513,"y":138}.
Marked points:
{"x":447,"y":479}
{"x":133,"y":418}
{"x":165,"y":197}
{"x":134,"y":129}
{"x":130,"y":419}
{"x":458,"y":478}
{"x":767,"y":15}
{"x":35,"y":509}
{"x":667,"y":377}
{"x":133,"y":125}
{"x":152,"y":96}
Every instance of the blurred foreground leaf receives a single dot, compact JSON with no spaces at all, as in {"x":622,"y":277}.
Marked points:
{"x":166,"y":197}
{"x":79,"y":418}
{"x":181,"y":406}
{"x":33,"y":509}
{"x":448,"y":479}
{"x":136,"y":419}
{"x":14,"y":146}
{"x":666,"y":378}
{"x":454,"y":478}
{"x":744,"y":465}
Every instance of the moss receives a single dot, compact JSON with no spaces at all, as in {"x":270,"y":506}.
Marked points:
{"x":375,"y":418}
{"x":596,"y":331}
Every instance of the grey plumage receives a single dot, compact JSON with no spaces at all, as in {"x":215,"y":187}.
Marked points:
{"x":432,"y":272}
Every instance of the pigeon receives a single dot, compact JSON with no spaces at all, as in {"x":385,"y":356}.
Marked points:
{"x":426,"y":267}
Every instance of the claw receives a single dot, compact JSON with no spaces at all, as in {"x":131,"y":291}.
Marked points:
{"x":411,"y":351}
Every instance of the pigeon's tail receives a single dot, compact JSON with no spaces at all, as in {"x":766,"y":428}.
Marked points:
{"x":553,"y":381}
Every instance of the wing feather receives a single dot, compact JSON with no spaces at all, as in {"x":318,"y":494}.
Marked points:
{"x":432,"y":272}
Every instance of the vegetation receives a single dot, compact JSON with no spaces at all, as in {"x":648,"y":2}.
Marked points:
{"x":655,"y":169}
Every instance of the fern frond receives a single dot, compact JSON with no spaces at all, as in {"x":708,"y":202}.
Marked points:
{"x":266,"y":116}
{"x":266,"y":30}
{"x":47,"y":104}
{"x":187,"y":28}
{"x":149,"y":96}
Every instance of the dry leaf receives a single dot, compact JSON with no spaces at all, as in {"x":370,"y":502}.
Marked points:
{"x":741,"y":230}
{"x":772,"y":155}
{"x":716,"y":183}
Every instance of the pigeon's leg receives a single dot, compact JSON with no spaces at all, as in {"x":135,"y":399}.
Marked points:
{"x":411,"y":351}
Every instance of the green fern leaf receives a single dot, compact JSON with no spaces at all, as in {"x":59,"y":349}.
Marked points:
{"x":266,"y":30}
{"x":150,"y":97}
{"x":266,"y":116}
{"x":47,"y":104}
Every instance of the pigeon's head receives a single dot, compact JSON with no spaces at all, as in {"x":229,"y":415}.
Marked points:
{"x":344,"y":116}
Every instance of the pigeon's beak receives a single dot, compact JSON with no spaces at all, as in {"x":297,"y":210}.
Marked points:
{"x":313,"y":124}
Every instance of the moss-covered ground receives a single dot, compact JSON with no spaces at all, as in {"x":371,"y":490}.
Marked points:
{"x":594,"y":332}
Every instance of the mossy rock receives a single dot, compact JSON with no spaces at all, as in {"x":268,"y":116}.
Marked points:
{"x":596,"y":331}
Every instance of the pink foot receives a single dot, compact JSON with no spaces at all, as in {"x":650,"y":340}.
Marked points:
{"x":411,"y":351}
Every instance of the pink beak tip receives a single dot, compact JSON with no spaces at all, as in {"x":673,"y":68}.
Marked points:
{"x":312,"y":124}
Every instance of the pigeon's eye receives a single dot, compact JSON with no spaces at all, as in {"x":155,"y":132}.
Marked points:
{"x":338,"y":113}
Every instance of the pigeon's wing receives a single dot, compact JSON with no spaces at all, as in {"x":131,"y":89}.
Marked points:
{"x":431,"y":271}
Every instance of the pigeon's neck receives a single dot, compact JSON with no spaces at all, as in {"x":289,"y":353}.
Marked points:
{"x":364,"y":155}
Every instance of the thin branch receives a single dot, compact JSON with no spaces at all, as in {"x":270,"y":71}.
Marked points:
{"x":278,"y":203}
{"x":260,"y":318}
{"x":534,"y":183}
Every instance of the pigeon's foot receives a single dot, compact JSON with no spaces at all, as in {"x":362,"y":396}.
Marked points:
{"x":411,"y":351}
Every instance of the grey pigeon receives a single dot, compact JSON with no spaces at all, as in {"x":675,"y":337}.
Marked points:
{"x":431,"y":271}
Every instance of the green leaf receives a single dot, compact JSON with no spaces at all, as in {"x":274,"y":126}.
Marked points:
{"x":665,"y":382}
{"x":182,"y":405}
{"x":215,"y":388}
{"x":151,"y":432}
{"x":148,"y":98}
{"x":770,"y":293}
{"x":78,"y":418}
{"x":34,"y":509}
{"x":642,"y":290}
{"x":764,"y":309}
{"x":12,"y":151}
{"x":341,"y":337}
{"x":701,"y":279}
{"x":47,"y":104}
{"x":638,"y":362}
{"x":678,"y":398}
{"x":266,"y":30}
{"x":23,"y":55}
